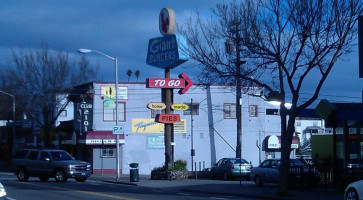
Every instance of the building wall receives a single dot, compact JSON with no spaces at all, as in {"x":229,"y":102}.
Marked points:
{"x":214,"y":137}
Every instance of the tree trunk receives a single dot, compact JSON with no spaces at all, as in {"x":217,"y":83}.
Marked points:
{"x":286,"y":140}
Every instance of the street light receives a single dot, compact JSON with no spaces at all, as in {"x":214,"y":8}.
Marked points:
{"x":84,"y":51}
{"x":14,"y":137}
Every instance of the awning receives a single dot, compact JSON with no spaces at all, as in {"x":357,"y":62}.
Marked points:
{"x":99,"y":137}
{"x":273,"y":142}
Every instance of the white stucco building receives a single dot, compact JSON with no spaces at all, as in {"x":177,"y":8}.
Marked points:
{"x":213,"y":126}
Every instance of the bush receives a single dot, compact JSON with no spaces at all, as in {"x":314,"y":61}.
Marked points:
{"x":179,"y":165}
{"x":159,"y":169}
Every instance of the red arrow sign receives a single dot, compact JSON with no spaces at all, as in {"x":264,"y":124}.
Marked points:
{"x":184,"y":83}
{"x":167,"y":118}
{"x":188,"y":83}
{"x":165,"y":83}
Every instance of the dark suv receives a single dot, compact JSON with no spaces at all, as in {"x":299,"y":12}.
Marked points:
{"x":49,"y":163}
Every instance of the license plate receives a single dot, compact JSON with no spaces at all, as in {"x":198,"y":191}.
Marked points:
{"x":83,"y":173}
{"x":243,"y":167}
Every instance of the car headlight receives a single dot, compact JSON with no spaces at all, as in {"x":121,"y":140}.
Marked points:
{"x":70,"y":167}
{"x":2,"y":191}
{"x":88,"y":166}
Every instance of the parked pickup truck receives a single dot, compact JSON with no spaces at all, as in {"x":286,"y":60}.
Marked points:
{"x":45,"y":164}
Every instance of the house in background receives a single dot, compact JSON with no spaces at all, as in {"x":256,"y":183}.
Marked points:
{"x":308,"y":123}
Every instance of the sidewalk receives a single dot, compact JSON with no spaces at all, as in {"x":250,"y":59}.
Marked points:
{"x":228,"y":188}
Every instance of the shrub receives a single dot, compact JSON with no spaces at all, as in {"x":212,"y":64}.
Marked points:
{"x":180,"y":165}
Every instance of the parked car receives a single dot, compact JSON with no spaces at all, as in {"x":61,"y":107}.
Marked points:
{"x":354,"y":191}
{"x":268,"y":172}
{"x":49,"y":163}
{"x":227,"y":168}
{"x":2,"y":192}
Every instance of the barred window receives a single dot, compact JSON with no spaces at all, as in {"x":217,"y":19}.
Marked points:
{"x":109,"y":112}
{"x":253,"y":111}
{"x":229,"y":110}
{"x":108,"y":152}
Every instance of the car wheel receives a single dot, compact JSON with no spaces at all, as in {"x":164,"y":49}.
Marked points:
{"x":225,"y":176}
{"x":258,"y":181}
{"x":81,"y":179}
{"x":351,"y":194}
{"x":60,"y":176}
{"x":43,"y":178}
{"x":22,"y":175}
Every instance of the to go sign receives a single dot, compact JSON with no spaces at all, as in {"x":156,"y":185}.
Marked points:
{"x":165,"y":83}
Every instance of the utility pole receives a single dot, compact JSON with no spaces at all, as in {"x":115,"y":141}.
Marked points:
{"x":233,"y":46}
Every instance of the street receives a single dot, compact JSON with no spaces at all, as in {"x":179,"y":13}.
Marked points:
{"x":92,"y":189}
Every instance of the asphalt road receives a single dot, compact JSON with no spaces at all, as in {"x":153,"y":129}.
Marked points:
{"x":34,"y":189}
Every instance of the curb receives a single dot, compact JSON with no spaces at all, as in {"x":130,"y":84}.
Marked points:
{"x":122,"y":183}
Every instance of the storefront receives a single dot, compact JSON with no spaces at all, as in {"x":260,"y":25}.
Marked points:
{"x":346,"y":120}
{"x":272,"y":146}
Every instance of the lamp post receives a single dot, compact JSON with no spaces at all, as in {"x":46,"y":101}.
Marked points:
{"x":84,"y":51}
{"x":14,"y":137}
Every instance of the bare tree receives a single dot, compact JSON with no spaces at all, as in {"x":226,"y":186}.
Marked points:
{"x":35,"y":77}
{"x":284,"y":43}
{"x":129,"y":73}
{"x":137,"y":74}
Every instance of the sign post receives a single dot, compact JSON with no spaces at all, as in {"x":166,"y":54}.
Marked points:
{"x":168,"y":52}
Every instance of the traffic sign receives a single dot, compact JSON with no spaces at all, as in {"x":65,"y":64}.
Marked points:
{"x":118,"y":130}
{"x":167,"y":118}
{"x":184,"y":83}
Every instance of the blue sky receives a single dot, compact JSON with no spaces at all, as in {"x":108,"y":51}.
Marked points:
{"x":123,"y":28}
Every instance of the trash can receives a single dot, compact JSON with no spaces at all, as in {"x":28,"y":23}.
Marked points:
{"x":134,"y":172}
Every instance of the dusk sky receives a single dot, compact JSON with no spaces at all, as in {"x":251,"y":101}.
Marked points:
{"x":122,"y":29}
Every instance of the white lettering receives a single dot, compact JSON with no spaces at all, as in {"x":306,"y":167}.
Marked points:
{"x":86,"y":105}
{"x":157,"y":45}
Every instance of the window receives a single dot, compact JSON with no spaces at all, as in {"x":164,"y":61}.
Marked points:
{"x":63,"y":113}
{"x":253,"y":110}
{"x":20,"y":154}
{"x":33,"y":155}
{"x":272,"y":111}
{"x":108,"y":152}
{"x":155,"y":112}
{"x":194,"y":108}
{"x":229,"y":110}
{"x":109,"y":111}
{"x":44,"y":156}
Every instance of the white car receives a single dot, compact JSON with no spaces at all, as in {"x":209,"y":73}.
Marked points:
{"x":354,"y":191}
{"x":2,"y":192}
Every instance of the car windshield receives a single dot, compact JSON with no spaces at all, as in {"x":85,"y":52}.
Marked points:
{"x":60,"y":155}
{"x":238,"y":161}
